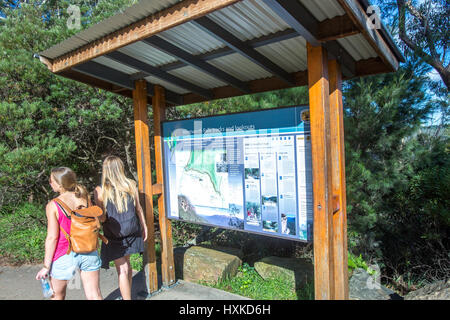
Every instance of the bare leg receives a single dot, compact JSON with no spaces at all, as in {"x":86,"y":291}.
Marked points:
{"x":59,"y":289}
{"x":125,"y":274}
{"x":91,"y":284}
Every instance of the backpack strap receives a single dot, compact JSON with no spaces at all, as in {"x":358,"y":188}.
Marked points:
{"x":65,"y":209}
{"x":64,"y":206}
{"x":92,"y":211}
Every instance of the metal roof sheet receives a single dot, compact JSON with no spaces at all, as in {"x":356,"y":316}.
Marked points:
{"x":183,"y":36}
{"x":289,"y":54}
{"x":323,"y":9}
{"x":358,"y":47}
{"x":197,"y":77}
{"x":140,"y":10}
{"x":146,"y":53}
{"x":240,"y":67}
{"x":248,"y":19}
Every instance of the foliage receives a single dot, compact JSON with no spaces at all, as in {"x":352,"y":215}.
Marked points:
{"x":22,"y":233}
{"x":397,"y":166}
{"x":47,"y":120}
{"x":250,"y":284}
{"x":397,"y":174}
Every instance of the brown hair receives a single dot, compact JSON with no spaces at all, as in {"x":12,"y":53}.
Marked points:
{"x":67,"y":178}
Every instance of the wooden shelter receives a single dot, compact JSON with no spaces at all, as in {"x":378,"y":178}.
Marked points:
{"x":176,"y":52}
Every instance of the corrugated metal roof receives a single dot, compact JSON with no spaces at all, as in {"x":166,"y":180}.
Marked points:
{"x":248,"y":19}
{"x":182,"y":36}
{"x":323,"y":9}
{"x":115,"y":65}
{"x":289,"y":54}
{"x":358,"y":47}
{"x":146,"y":53}
{"x":197,"y":77}
{"x":240,"y":67}
{"x":168,"y":85}
{"x":140,"y":10}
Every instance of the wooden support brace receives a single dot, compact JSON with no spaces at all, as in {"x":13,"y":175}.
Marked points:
{"x":167,"y":262}
{"x":145,"y":179}
{"x":338,"y":182}
{"x":157,"y":189}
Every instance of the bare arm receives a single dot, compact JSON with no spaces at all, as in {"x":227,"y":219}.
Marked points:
{"x":51,"y":240}
{"x":99,"y":202}
{"x":140,"y":214}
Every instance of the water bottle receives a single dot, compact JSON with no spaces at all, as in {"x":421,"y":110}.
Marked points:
{"x":46,"y":288}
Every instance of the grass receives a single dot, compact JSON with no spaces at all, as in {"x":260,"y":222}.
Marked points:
{"x":22,"y":234}
{"x":136,"y":259}
{"x":250,"y":284}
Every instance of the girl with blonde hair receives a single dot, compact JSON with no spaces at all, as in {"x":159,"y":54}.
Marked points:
{"x":123,"y":221}
{"x":57,"y":263}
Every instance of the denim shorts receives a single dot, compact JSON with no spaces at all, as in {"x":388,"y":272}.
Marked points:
{"x":64,"y":267}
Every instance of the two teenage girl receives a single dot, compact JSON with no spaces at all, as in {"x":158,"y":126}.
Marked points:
{"x":123,"y":225}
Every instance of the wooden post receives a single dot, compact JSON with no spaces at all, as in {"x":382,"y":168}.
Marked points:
{"x":167,"y":264}
{"x":338,"y":182}
{"x":145,"y":179}
{"x":321,"y":165}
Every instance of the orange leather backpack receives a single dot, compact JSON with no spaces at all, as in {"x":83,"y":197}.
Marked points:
{"x":84,"y":228}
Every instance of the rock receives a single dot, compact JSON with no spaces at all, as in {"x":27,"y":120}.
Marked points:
{"x":362,"y":286}
{"x":298,"y":271}
{"x":201,"y":263}
{"x":439,"y":290}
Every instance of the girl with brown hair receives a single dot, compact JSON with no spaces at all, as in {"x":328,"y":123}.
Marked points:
{"x":61,"y":266}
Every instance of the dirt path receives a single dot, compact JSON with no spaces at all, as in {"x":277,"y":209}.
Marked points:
{"x":19,"y":283}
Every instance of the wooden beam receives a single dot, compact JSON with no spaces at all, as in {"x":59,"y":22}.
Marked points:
{"x":145,"y":179}
{"x":255,"y":86}
{"x":338,"y":182}
{"x":105,"y":73}
{"x":222,"y":52}
{"x":216,"y":31}
{"x":321,"y":165}
{"x":154,"y":71}
{"x":371,"y":66}
{"x":165,"y":19}
{"x":167,"y":262}
{"x":157,"y":189}
{"x":119,"y":78}
{"x":297,"y":16}
{"x":195,"y":62}
{"x":360,"y":18}
{"x":336,"y":28}
{"x":96,"y":83}
{"x":301,"y":20}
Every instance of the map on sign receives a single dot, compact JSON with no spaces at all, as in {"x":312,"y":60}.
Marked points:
{"x":247,"y":171}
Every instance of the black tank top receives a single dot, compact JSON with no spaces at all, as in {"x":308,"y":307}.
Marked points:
{"x":121,"y":225}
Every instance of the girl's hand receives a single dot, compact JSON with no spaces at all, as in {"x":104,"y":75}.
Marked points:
{"x":144,"y":232}
{"x":43,"y":273}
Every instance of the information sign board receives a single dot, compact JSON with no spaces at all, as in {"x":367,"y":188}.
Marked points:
{"x":247,"y":171}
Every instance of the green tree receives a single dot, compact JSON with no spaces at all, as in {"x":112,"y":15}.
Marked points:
{"x":390,"y":158}
{"x":47,"y":120}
